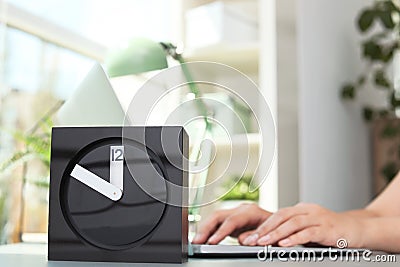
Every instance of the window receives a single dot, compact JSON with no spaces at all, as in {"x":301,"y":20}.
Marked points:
{"x":46,"y":48}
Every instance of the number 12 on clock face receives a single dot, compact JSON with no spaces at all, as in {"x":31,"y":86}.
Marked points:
{"x":117,"y":166}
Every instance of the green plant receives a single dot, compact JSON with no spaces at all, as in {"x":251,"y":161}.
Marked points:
{"x":378,"y":50}
{"x":240,"y":189}
{"x":380,"y":24}
{"x":36,"y":146}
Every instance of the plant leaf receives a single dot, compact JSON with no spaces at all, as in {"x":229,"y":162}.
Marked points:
{"x":381,"y":80}
{"x":348,"y":91}
{"x":16,"y":159}
{"x":388,"y":52}
{"x":389,"y":171}
{"x":366,"y":19}
{"x":39,"y":182}
{"x":394,"y":101}
{"x":38,"y":145}
{"x":387,"y":19}
{"x":368,"y":114}
{"x":372,"y":50}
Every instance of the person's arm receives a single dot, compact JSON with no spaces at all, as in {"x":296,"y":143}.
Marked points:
{"x":382,"y":233}
{"x":372,"y":227}
{"x":382,"y":219}
{"x":387,"y":203}
{"x":310,"y":223}
{"x":362,"y":213}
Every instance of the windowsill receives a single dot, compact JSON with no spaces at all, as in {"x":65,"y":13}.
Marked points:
{"x":24,"y":248}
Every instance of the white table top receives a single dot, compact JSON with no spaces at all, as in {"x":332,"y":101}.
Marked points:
{"x":20,"y":255}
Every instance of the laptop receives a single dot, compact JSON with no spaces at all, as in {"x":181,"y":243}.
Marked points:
{"x":93,"y":103}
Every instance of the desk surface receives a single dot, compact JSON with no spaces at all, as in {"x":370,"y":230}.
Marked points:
{"x":21,"y":255}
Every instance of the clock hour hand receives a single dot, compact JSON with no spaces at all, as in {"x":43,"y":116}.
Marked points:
{"x":96,"y":183}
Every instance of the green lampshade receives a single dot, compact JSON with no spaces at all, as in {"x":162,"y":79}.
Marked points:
{"x":141,"y":55}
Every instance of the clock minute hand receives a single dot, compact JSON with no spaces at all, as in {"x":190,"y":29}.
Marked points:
{"x":117,"y":166}
{"x":96,"y":183}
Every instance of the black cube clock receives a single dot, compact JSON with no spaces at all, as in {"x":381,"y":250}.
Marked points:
{"x":99,"y":209}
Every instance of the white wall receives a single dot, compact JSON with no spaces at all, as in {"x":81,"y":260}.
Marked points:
{"x":334,"y":161}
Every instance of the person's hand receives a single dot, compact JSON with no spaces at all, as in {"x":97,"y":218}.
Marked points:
{"x":306,"y":223}
{"x":233,"y":222}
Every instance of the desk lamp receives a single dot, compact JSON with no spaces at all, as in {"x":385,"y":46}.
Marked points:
{"x":143,"y":55}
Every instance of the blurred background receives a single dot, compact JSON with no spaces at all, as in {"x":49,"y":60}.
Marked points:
{"x":327,"y":68}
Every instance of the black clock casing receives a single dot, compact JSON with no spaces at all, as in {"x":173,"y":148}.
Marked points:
{"x":87,"y":226}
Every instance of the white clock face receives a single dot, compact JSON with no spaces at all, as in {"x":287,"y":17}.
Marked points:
{"x":102,"y":202}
